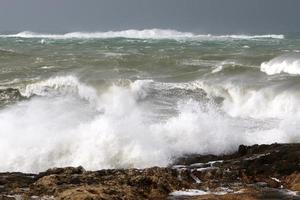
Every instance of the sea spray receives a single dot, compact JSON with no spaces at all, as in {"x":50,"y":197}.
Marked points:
{"x":60,"y":129}
{"x":288,"y":63}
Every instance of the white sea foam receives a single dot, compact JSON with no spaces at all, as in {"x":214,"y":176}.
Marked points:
{"x":114,"y":130}
{"x":194,"y":192}
{"x":288,"y":63}
{"x":190,"y":192}
{"x":141,"y":34}
{"x":221,"y":65}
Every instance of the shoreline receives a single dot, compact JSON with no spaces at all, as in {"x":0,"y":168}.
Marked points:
{"x":253,"y":172}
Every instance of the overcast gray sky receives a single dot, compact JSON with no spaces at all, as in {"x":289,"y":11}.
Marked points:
{"x":204,"y":16}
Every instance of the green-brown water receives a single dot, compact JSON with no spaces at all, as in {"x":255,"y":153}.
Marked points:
{"x":141,"y":98}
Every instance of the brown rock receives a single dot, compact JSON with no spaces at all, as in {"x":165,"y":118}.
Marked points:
{"x":258,"y":171}
{"x":293,"y":181}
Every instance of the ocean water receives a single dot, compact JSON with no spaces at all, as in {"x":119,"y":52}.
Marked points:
{"x":141,"y":98}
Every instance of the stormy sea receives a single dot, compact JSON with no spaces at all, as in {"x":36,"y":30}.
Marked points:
{"x":142,"y":98}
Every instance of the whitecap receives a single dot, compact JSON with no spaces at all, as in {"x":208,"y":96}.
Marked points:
{"x":287,"y":63}
{"x":142,"y":34}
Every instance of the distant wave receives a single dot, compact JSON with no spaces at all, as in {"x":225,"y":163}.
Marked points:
{"x":249,"y":37}
{"x":288,"y":63}
{"x":140,"y":34}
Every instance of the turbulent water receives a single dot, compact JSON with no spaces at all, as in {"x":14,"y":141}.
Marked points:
{"x":142,"y":98}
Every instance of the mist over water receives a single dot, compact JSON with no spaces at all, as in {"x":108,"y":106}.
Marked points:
{"x":142,"y":98}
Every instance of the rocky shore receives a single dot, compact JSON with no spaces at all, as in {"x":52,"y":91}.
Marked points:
{"x":253,"y":172}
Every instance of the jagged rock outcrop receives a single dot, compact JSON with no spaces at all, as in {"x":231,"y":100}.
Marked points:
{"x":9,"y":95}
{"x":254,"y":172}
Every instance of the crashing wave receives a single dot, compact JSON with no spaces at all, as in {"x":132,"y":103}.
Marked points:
{"x":258,"y":103}
{"x":238,"y":101}
{"x":288,"y":63}
{"x":141,"y":34}
{"x":117,"y":131}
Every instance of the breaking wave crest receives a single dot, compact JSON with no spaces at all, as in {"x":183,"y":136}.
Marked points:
{"x":238,"y":101}
{"x":288,"y":63}
{"x":259,"y":103}
{"x":141,"y":34}
{"x":61,"y":85}
{"x":116,"y":129}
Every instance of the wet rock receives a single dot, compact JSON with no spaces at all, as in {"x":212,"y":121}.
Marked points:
{"x":15,"y":181}
{"x":293,"y":181}
{"x":9,"y":95}
{"x":253,"y":172}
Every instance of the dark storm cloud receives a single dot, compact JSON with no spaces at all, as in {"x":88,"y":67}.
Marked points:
{"x":215,"y":16}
